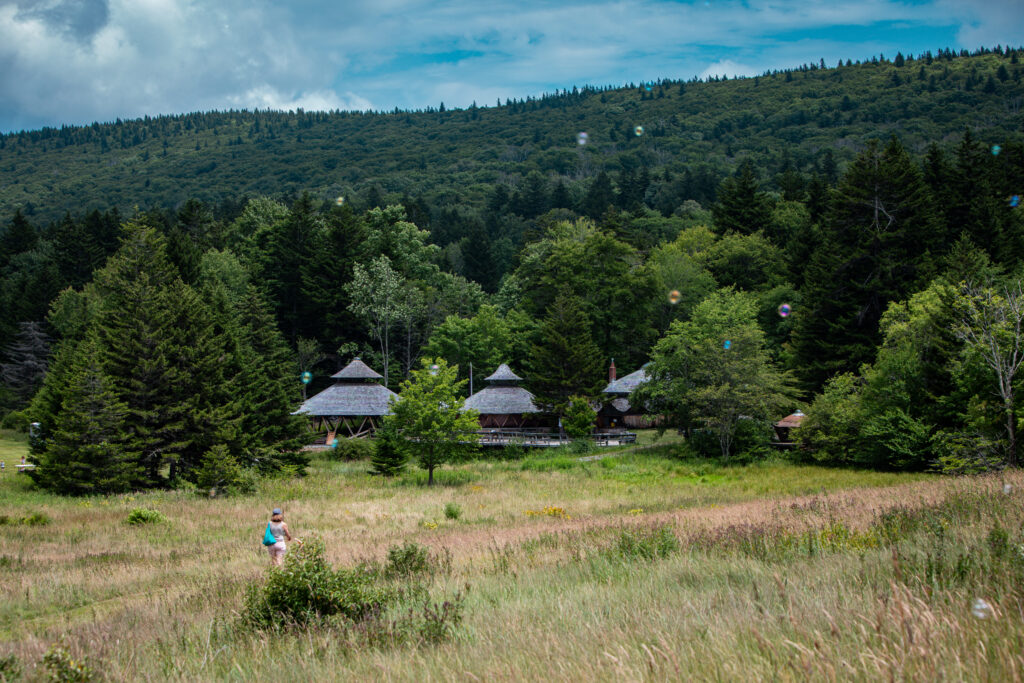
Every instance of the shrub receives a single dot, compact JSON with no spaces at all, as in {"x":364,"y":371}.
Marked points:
{"x":31,"y":519}
{"x":646,"y":544}
{"x":140,"y":516}
{"x":961,"y":453}
{"x":351,"y":449}
{"x":579,"y":418}
{"x":452,"y":510}
{"x":220,"y":472}
{"x":407,"y":559}
{"x":389,"y":455}
{"x":16,"y":420}
{"x":307,"y":591}
{"x":10,"y":668}
{"x":62,"y":668}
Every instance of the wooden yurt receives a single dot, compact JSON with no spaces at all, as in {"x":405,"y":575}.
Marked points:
{"x":503,"y":403}
{"x":353,"y":405}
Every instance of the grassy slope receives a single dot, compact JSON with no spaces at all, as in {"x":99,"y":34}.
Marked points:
{"x":457,"y":156}
{"x":545,"y":599}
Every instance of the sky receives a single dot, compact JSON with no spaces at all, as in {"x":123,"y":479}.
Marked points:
{"x":79,"y":61}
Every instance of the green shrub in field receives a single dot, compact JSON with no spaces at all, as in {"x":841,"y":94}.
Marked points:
{"x":351,"y":449}
{"x":307,"y":590}
{"x":140,"y":516}
{"x":452,"y":510}
{"x":651,"y":543}
{"x":220,"y":473}
{"x":30,"y":519}
{"x":16,"y":420}
{"x":10,"y":668}
{"x":61,"y":667}
{"x":408,"y":559}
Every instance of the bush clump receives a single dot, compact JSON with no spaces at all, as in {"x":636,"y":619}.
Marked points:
{"x":30,"y":519}
{"x":140,"y":516}
{"x":646,"y":543}
{"x":408,"y":559}
{"x":452,"y":510}
{"x":61,"y":667}
{"x":351,"y":449}
{"x":307,"y":591}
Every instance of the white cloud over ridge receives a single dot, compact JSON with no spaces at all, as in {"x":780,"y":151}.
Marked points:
{"x":75,"y":61}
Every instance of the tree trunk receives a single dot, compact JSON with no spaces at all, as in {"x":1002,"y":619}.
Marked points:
{"x":1011,"y":432}
{"x":430,"y":475}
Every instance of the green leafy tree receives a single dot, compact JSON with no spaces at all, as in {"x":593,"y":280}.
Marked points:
{"x":429,"y":416}
{"x":579,"y":417}
{"x":377,"y":293}
{"x":482,"y":342}
{"x":713,"y":370}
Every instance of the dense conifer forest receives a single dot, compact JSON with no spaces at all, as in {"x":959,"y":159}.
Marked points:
{"x":843,"y":238}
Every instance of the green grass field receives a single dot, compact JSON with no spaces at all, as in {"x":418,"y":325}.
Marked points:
{"x":775,"y":571}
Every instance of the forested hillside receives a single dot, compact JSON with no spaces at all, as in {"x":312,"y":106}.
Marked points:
{"x":697,"y":132}
{"x":846,"y":239}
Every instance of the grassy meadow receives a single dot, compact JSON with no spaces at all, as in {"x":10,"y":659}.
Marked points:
{"x":642,"y":565}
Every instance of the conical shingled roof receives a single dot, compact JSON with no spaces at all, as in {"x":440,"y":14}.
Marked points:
{"x":502,"y":397}
{"x":356,"y":370}
{"x":355,"y":393}
{"x":504,"y":374}
{"x":624,"y":386}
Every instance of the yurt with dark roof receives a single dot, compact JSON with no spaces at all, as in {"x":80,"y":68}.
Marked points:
{"x":503,"y":403}
{"x":354,"y":404}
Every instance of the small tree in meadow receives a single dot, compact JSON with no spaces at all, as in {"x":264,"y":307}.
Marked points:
{"x":428,"y":414}
{"x":579,"y":418}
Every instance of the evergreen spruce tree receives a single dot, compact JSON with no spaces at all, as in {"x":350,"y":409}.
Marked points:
{"x":599,"y":197}
{"x":390,"y":455}
{"x":22,"y":373}
{"x":741,"y":207}
{"x":565,"y":361}
{"x":880,"y":227}
{"x":328,"y":271}
{"x":87,"y":453}
{"x":290,"y":248}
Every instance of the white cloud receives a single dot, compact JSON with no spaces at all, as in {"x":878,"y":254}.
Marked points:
{"x":729,"y":68}
{"x":82,"y":60}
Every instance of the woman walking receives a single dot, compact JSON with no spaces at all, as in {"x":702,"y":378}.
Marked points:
{"x":279,"y":530}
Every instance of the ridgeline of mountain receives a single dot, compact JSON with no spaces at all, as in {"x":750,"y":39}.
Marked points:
{"x":693,"y":134}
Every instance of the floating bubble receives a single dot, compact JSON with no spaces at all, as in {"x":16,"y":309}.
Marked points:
{"x":726,"y":345}
{"x":673,"y":296}
{"x":334,"y":444}
{"x":647,"y":87}
{"x":306,"y":377}
{"x":1014,"y":200}
{"x":981,"y":609}
{"x":339,"y":201}
{"x":638,"y":131}
{"x":785,"y":310}
{"x":1007,"y":489}
{"x":996,"y":149}
{"x":434,"y":368}
{"x":582,"y":138}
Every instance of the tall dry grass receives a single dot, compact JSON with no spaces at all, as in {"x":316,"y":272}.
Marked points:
{"x":775,"y":578}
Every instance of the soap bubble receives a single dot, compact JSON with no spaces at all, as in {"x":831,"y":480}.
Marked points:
{"x":673,"y":296}
{"x":334,"y":444}
{"x":647,"y":87}
{"x":638,"y":131}
{"x":339,"y":201}
{"x":785,"y":310}
{"x":726,"y":345}
{"x":582,"y":138}
{"x":981,"y":609}
{"x":1007,"y":489}
{"x":434,"y":368}
{"x":306,"y":377}
{"x":1014,"y":200}
{"x":996,"y":149}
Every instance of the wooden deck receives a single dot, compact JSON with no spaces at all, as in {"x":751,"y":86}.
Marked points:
{"x":539,"y":438}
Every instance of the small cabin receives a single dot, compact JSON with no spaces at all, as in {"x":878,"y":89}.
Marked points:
{"x":616,"y":411}
{"x":353,"y":405}
{"x":784,"y":426}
